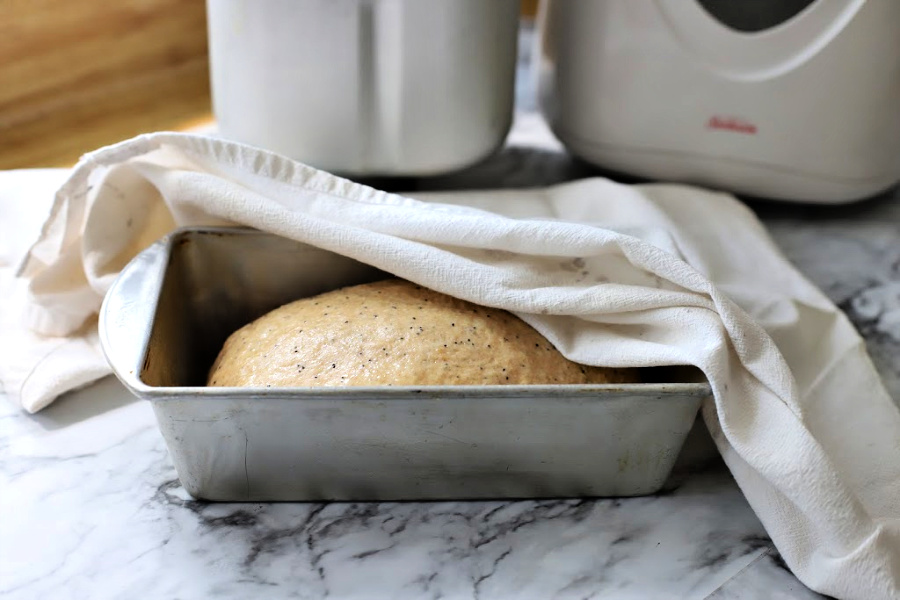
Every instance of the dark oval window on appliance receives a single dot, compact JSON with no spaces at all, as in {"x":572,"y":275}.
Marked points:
{"x":754,"y":15}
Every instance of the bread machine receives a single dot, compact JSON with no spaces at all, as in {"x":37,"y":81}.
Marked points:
{"x":787,"y":99}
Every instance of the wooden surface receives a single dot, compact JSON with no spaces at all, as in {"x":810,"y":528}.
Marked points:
{"x":79,"y":74}
{"x":529,"y":8}
{"x":76,"y":75}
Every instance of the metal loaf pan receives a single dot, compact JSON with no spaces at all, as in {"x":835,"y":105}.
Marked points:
{"x":169,"y":312}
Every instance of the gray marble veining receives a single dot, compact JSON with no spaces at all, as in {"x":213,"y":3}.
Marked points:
{"x":766,"y":578}
{"x":99,"y":513}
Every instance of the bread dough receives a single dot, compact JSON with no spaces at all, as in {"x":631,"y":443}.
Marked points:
{"x":394,"y":332}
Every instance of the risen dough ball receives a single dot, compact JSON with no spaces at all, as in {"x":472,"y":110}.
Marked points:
{"x":394,"y":332}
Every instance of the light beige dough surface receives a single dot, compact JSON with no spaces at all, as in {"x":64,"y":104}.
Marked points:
{"x":394,"y":332}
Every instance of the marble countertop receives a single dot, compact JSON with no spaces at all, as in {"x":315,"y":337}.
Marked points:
{"x":92,"y":508}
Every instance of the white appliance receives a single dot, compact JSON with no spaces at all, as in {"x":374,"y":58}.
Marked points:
{"x":786,"y":99}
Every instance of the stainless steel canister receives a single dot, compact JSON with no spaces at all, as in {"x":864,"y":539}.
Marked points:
{"x":366,"y":87}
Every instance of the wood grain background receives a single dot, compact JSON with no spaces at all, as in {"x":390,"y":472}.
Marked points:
{"x":79,"y":74}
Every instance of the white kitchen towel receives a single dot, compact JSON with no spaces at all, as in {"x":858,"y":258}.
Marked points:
{"x":35,"y":369}
{"x":612,"y":275}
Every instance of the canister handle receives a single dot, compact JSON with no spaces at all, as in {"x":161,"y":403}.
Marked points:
{"x":127,"y":312}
